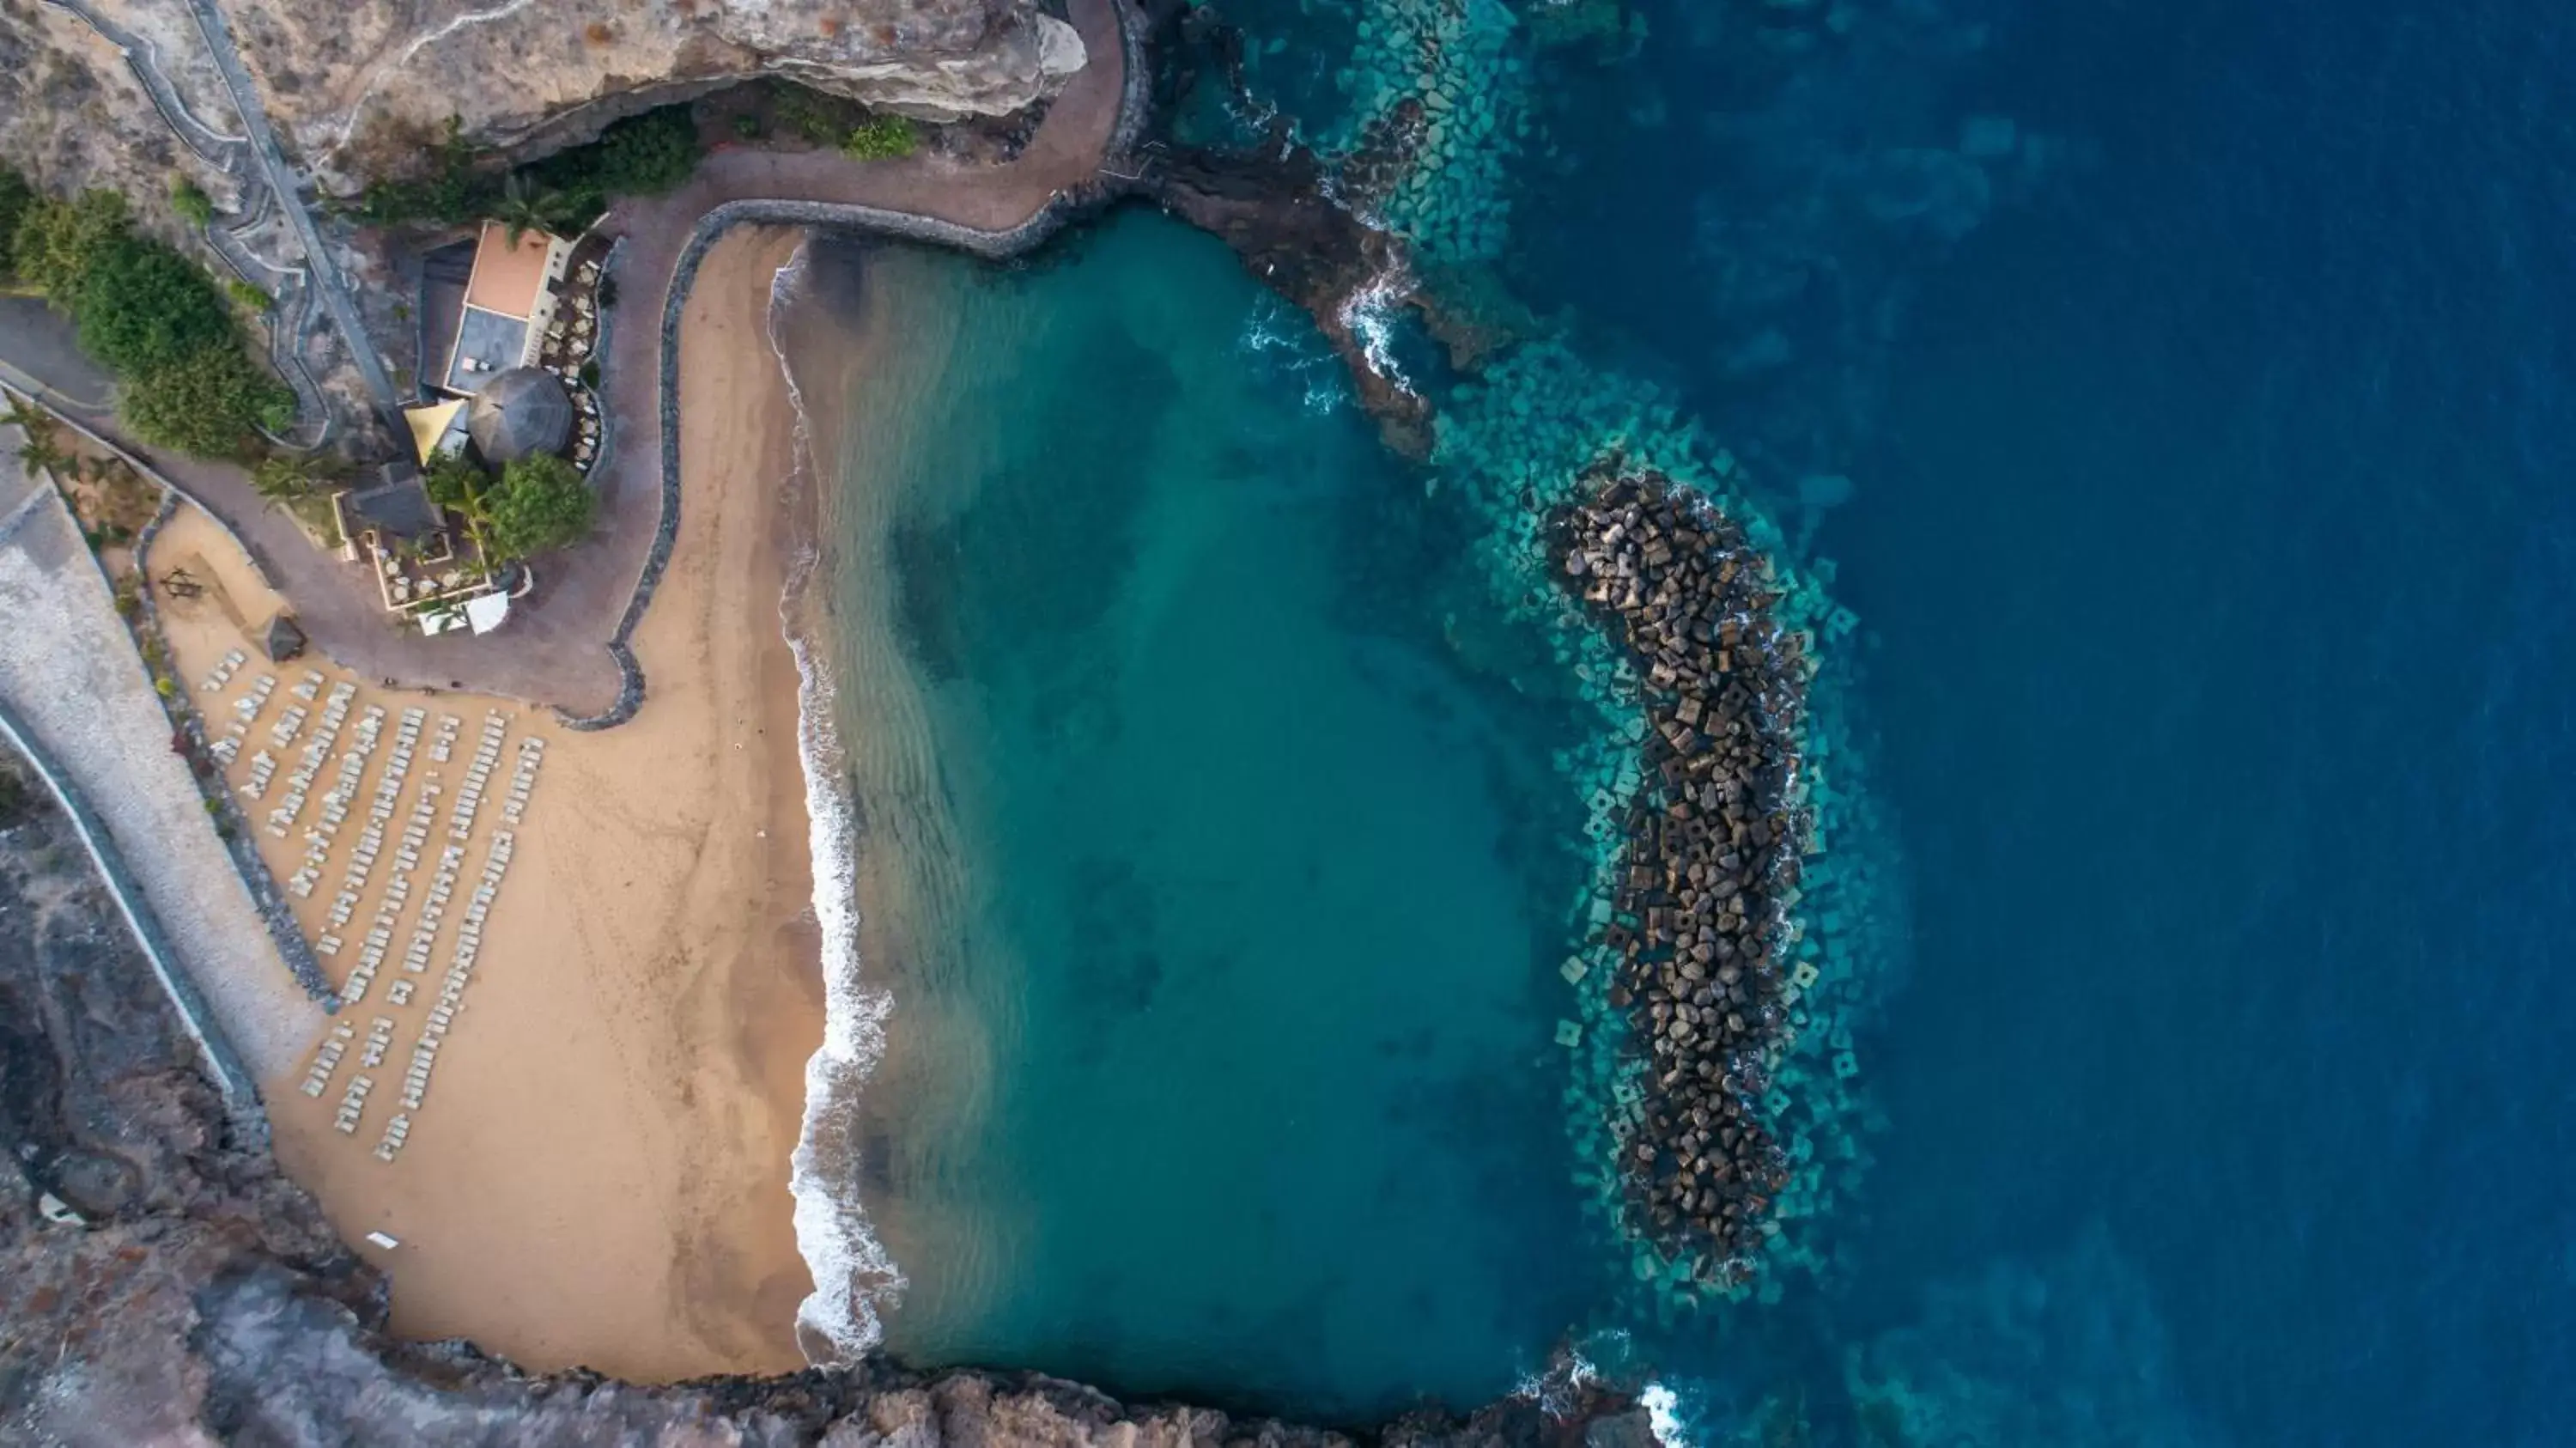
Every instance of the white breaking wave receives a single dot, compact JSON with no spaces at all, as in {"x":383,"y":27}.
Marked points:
{"x":1663,"y":1415}
{"x":1269,"y":329}
{"x":832,"y":1232}
{"x":1369,"y":313}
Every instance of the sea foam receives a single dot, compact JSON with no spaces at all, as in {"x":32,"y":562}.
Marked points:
{"x":853,"y":1274}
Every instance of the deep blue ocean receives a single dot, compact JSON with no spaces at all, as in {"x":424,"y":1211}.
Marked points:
{"x":2212,"y":528}
{"x":2181,"y":396}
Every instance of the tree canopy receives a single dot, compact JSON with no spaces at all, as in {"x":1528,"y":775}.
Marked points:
{"x":539,"y":504}
{"x":454,"y":482}
{"x":16,"y":196}
{"x":283,"y":477}
{"x":647,"y":154}
{"x":142,"y":305}
{"x":638,"y":156}
{"x":206,"y":402}
{"x":56,"y":242}
{"x":149,"y":314}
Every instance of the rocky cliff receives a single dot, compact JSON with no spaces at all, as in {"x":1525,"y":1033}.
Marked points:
{"x":360,"y":90}
{"x":160,"y":1282}
{"x":357,"y":89}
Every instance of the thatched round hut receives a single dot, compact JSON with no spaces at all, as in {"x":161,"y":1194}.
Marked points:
{"x":520,"y":413}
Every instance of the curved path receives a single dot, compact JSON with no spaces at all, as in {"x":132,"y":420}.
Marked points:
{"x":321,"y":271}
{"x":565,"y":644}
{"x":290,"y":321}
{"x":1075,"y":158}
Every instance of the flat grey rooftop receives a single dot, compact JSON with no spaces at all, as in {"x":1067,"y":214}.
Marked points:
{"x":490,"y":338}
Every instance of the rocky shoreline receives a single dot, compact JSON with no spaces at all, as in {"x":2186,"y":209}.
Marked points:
{"x":1709,"y":860}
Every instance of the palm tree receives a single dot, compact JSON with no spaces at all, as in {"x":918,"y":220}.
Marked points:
{"x":524,"y":207}
{"x":282,"y":478}
{"x":41,"y":452}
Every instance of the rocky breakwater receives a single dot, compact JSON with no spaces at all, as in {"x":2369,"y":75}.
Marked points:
{"x":1698,"y":925}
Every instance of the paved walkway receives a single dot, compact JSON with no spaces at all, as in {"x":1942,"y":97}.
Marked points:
{"x":321,"y":271}
{"x":69,"y":673}
{"x":290,"y":322}
{"x":555,"y":649}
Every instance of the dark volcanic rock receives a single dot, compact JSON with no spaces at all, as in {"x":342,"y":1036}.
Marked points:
{"x":1710,"y":850}
{"x":1295,"y":224}
{"x":195,"y":1295}
{"x":1271,"y":207}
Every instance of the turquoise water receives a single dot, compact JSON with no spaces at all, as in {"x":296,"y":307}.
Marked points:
{"x":2180,"y":396}
{"x":1211,"y":864}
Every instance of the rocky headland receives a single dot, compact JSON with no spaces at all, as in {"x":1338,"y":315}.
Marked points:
{"x":160,"y":1281}
{"x":1710,"y":854}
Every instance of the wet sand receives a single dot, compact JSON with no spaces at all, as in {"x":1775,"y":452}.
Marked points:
{"x":598,"y":1174}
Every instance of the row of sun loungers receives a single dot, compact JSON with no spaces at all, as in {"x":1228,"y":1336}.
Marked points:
{"x":371,"y":835}
{"x":222,"y":673}
{"x":406,"y":839}
{"x":327,"y":1059}
{"x":406,"y":852}
{"x":335,"y":801}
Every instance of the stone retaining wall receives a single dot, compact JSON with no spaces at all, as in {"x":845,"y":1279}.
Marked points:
{"x":863,"y":220}
{"x":1135,"y":108}
{"x":233,"y":824}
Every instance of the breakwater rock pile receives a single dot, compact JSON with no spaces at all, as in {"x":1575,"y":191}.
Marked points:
{"x":1698,"y":924}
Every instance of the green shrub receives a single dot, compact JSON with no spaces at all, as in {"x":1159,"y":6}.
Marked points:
{"x":248,"y":297}
{"x":283,"y":477}
{"x":452,"y":482}
{"x":821,"y":118}
{"x":639,"y":156}
{"x":539,"y":504}
{"x":209,"y":402}
{"x":648,"y":154}
{"x":747,"y":126}
{"x":16,"y":198}
{"x":191,"y":202}
{"x":56,"y":242}
{"x":143,"y":305}
{"x":882,"y":138}
{"x":590,"y":373}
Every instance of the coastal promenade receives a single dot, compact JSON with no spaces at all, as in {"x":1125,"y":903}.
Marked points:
{"x":564,"y":645}
{"x":995,"y":210}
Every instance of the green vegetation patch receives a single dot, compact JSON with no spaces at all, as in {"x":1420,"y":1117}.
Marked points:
{"x":55,"y":243}
{"x":208,"y":403}
{"x":882,"y":138}
{"x":16,"y":196}
{"x":539,"y":504}
{"x":191,"y":202}
{"x":142,"y":306}
{"x":152,"y":316}
{"x":640,"y":156}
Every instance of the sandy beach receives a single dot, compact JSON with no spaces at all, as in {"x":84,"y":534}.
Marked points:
{"x":596,"y":1173}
